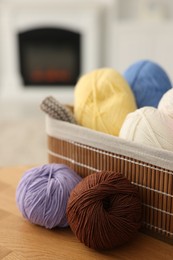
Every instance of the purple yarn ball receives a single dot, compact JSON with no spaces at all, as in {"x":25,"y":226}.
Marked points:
{"x":43,"y":192}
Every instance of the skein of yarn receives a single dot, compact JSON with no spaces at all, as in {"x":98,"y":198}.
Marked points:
{"x":149,"y":126}
{"x":104,"y":210}
{"x":148,"y":81}
{"x":102,"y":99}
{"x":56,"y":110}
{"x":43,"y":192}
{"x":166,"y":103}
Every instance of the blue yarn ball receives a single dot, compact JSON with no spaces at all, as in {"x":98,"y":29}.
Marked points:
{"x":148,"y":82}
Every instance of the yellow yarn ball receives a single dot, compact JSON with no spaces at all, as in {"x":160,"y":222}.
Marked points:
{"x":102,"y":100}
{"x":166,"y":103}
{"x":149,"y":126}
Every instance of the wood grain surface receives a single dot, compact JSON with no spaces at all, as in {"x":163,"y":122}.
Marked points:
{"x":21,"y":240}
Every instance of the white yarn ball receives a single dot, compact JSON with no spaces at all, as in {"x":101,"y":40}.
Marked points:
{"x":149,"y":126}
{"x":166,"y":103}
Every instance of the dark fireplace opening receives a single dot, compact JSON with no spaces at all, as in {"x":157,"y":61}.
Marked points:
{"x":49,"y":56}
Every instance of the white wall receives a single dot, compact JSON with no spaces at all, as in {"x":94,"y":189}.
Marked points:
{"x":132,"y":30}
{"x":140,"y":33}
{"x":144,"y":9}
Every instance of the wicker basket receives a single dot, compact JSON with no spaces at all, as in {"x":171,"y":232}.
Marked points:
{"x":151,"y":170}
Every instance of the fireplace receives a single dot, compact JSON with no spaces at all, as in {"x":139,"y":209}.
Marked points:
{"x":46,"y":45}
{"x":49,"y":56}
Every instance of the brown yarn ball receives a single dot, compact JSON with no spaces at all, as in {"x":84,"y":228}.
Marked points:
{"x":104,"y":210}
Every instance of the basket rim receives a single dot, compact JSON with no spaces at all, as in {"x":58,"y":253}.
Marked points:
{"x":76,"y":133}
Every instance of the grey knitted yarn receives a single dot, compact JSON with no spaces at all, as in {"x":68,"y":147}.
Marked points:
{"x":56,"y":110}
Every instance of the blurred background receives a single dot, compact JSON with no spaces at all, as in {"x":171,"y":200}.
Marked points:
{"x":45,"y":46}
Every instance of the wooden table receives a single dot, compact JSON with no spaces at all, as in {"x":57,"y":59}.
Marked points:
{"x":21,"y":240}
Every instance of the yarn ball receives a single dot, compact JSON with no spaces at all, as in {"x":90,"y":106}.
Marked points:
{"x":166,"y":103}
{"x":149,"y":126}
{"x":102,"y":99}
{"x":104,"y":210}
{"x":148,"y":82}
{"x":43,"y":192}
